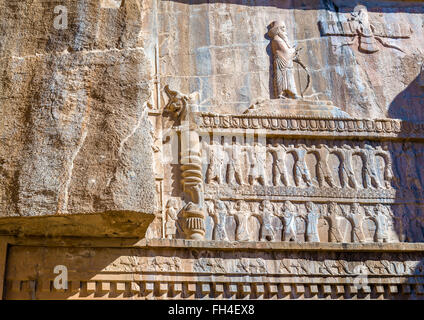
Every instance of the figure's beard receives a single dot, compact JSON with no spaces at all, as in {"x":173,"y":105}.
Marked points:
{"x":283,"y":35}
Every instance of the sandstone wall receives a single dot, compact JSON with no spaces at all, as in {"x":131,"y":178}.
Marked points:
{"x":75,"y":135}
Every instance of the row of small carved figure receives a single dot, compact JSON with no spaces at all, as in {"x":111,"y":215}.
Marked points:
{"x":287,"y":215}
{"x":227,"y":165}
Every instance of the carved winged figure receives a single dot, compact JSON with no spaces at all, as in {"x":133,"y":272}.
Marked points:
{"x":368,"y":34}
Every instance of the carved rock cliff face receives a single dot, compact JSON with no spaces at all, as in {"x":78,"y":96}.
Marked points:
{"x":75,"y":134}
{"x":222,"y":50}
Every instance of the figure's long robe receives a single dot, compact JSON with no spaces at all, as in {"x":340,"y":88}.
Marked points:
{"x":284,"y":75}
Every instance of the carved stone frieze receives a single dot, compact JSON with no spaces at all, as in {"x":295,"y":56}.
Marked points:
{"x":370,"y":34}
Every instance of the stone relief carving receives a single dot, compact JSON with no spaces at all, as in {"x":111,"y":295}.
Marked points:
{"x":246,"y":265}
{"x":369,"y":35}
{"x":219,"y":214}
{"x":280,"y":173}
{"x":266,"y":212}
{"x":241,"y":214}
{"x":332,"y":213}
{"x":310,"y":126}
{"x":283,"y":55}
{"x":288,"y":213}
{"x":142,"y":263}
{"x":312,"y":222}
{"x":332,"y":186}
{"x":171,"y":219}
{"x":191,"y":164}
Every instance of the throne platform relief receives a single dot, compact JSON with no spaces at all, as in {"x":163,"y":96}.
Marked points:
{"x":292,"y":168}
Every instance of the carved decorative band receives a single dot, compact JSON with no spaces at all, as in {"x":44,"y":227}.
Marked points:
{"x":248,"y":192}
{"x":391,"y":127}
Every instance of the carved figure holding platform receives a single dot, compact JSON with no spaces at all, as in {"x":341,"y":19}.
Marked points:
{"x":257,"y":159}
{"x":369,"y":168}
{"x":280,"y":176}
{"x":312,"y":227}
{"x":323,"y":171}
{"x":235,"y":172}
{"x":347,"y":175}
{"x":388,"y":172}
{"x":217,"y":159}
{"x":301,"y":171}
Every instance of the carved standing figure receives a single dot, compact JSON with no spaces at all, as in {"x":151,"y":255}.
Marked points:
{"x":388,"y":172}
{"x":347,"y":175}
{"x":356,"y":217}
{"x":300,"y":168}
{"x":323,"y":171}
{"x":241,"y":214}
{"x":215,"y":173}
{"x":335,"y":235}
{"x":219,"y":216}
{"x":280,"y":176}
{"x":267,"y":210}
{"x":288,"y":213}
{"x":312,"y":227}
{"x":381,"y":217}
{"x":171,"y":219}
{"x":235,"y":169}
{"x":408,"y":165}
{"x":283,"y":54}
{"x":257,"y":161}
{"x":369,"y":168}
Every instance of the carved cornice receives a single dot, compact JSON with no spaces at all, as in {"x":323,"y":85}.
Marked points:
{"x":309,"y":126}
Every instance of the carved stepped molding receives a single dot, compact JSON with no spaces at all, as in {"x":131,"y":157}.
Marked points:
{"x":317,"y":288}
{"x":174,"y":269}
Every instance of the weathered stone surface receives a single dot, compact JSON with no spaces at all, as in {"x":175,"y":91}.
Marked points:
{"x":75,"y":136}
{"x":126,"y":224}
{"x":175,"y":269}
{"x":277,"y":146}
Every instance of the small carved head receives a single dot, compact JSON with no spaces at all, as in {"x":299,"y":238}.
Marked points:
{"x":242,"y":205}
{"x":354,"y":207}
{"x":332,"y":207}
{"x":287,"y":206}
{"x":379,"y":208}
{"x":276,"y":28}
{"x":309,"y":206}
{"x":266,"y":204}
{"x":220,"y":206}
{"x":360,"y":12}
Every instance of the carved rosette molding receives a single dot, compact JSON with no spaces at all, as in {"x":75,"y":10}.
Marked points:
{"x":263,"y":192}
{"x":307,"y":126}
